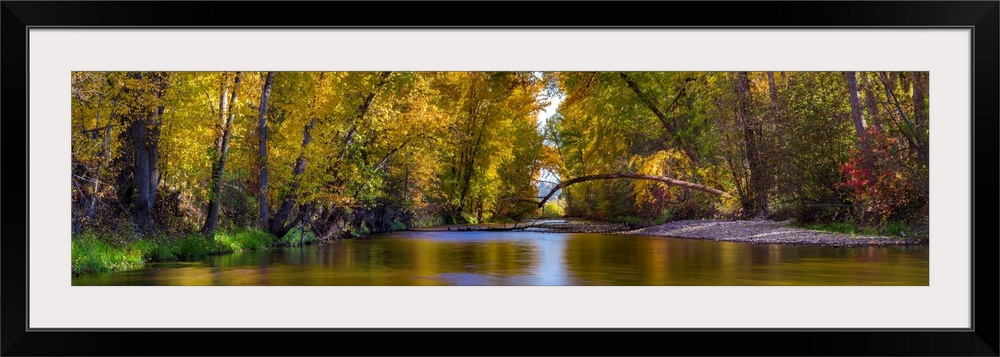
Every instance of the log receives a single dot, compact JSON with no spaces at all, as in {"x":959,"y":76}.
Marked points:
{"x":667,"y":180}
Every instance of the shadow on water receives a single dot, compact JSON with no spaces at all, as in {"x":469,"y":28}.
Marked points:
{"x":534,"y":258}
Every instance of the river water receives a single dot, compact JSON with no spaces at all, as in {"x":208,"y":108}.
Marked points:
{"x":538,"y":258}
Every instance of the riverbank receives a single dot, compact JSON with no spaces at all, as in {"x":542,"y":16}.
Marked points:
{"x":92,"y":254}
{"x":559,"y":225}
{"x":767,"y":232}
{"x":95,"y":254}
{"x":750,"y":231}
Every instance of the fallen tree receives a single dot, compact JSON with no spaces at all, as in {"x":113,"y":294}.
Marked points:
{"x":667,"y":180}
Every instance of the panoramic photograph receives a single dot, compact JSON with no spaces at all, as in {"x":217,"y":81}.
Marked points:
{"x":285,"y":178}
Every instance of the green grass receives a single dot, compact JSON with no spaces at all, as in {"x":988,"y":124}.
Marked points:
{"x":242,"y":241}
{"x":296,"y":237}
{"x":95,"y":254}
{"x":92,"y":255}
{"x":895,"y":229}
{"x":194,"y":247}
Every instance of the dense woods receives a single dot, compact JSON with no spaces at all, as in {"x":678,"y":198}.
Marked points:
{"x":334,"y":154}
{"x":813,"y":146}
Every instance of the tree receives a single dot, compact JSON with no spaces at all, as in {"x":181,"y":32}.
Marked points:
{"x":753,"y":196}
{"x":265,"y":93}
{"x":347,"y":153}
{"x":145,"y":92}
{"x":226,"y":116}
{"x":860,"y":126}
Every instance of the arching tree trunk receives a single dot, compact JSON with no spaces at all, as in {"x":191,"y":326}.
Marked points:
{"x":664,"y":179}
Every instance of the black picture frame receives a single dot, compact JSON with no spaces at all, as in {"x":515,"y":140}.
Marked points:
{"x":982,"y":17}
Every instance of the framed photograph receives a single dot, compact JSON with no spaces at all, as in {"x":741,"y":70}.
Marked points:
{"x":257,"y":178}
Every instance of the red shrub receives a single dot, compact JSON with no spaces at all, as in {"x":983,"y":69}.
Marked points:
{"x":888,"y":185}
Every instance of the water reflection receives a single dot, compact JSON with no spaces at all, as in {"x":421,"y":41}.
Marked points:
{"x":533,"y":258}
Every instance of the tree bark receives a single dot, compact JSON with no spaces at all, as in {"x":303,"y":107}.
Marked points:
{"x":277,"y":221}
{"x":909,"y":131}
{"x":871,"y":103}
{"x":919,"y":101}
{"x":470,"y":166}
{"x":757,"y":205}
{"x":262,"y":150}
{"x":91,"y":209}
{"x":362,"y":110}
{"x":141,"y":197}
{"x":219,"y":167}
{"x":664,"y":179}
{"x":144,"y":136}
{"x":859,"y":122}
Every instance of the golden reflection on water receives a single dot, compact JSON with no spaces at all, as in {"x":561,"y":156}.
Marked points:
{"x":532,"y":258}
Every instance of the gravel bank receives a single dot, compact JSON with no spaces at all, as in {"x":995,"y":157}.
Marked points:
{"x":560,"y":226}
{"x":766,"y":232}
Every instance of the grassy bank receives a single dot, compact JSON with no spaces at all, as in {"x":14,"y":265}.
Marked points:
{"x":94,"y":253}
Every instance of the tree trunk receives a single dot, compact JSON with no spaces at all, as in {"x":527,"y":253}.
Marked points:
{"x":144,"y":136}
{"x":262,"y":150}
{"x":909,"y":131}
{"x":871,"y":103}
{"x":141,"y":198}
{"x":667,"y":180}
{"x":362,"y":110}
{"x":91,"y":209}
{"x":776,"y":135}
{"x":219,"y":167}
{"x":470,"y":167}
{"x":277,"y":222}
{"x":859,"y":122}
{"x":919,"y":101}
{"x":751,"y":136}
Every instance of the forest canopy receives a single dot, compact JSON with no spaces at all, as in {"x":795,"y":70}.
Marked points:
{"x":345,"y":153}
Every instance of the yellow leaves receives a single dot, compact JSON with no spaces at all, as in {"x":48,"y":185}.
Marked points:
{"x":416,"y":130}
{"x":671,"y":163}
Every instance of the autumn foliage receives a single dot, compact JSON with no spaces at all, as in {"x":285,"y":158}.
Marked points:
{"x":887,"y":187}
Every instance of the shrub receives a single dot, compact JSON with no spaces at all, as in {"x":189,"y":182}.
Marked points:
{"x":887,"y":187}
